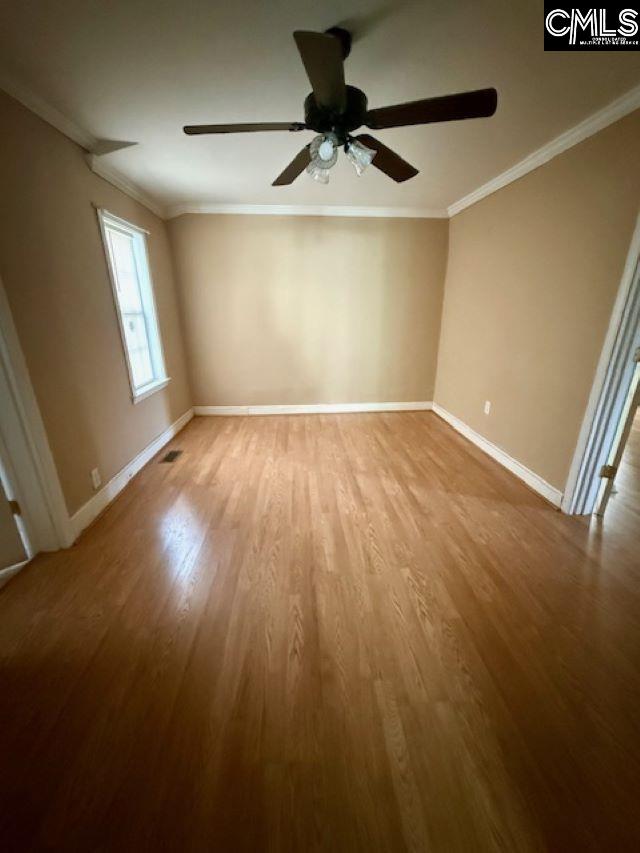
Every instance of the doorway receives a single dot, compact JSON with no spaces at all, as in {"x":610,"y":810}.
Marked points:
{"x":608,"y":405}
{"x":620,"y":490}
{"x":13,"y":549}
{"x":33,"y":515}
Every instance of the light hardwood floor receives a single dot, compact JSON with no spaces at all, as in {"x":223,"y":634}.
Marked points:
{"x":341,"y":632}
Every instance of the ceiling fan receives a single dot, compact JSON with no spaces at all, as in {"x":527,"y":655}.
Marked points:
{"x":334,"y":110}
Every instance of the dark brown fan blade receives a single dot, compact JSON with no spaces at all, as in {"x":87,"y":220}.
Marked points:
{"x":295,"y":167}
{"x":478,"y":104}
{"x":194,"y":129}
{"x":387,"y":160}
{"x":322,"y":58}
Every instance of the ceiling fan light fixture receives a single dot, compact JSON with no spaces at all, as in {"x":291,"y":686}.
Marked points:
{"x":318,"y":172}
{"x":324,"y":155}
{"x":324,"y":148}
{"x":359,"y":155}
{"x":333,"y":104}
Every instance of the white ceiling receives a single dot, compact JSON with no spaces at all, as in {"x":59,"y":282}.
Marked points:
{"x":137,"y":70}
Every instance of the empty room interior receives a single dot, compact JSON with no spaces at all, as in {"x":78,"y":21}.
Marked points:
{"x":319,"y":427}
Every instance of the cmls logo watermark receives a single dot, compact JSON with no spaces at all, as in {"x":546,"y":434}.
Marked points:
{"x":610,"y":27}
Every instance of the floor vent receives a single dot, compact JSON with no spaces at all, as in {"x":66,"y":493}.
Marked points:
{"x":171,"y":456}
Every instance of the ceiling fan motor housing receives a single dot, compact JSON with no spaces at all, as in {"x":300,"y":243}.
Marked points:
{"x":324,"y":121}
{"x":343,"y":36}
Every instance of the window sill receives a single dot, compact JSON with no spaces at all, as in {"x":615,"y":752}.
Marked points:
{"x":148,"y":390}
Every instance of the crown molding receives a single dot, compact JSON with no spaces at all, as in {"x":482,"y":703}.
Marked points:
{"x":117,"y":179}
{"x":47,"y":112}
{"x":589,"y":127}
{"x":81,"y":137}
{"x":308,"y":210}
{"x":598,"y":121}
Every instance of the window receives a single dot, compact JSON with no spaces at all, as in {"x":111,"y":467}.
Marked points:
{"x":126,"y":250}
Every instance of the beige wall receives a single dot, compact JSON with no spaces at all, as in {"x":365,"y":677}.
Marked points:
{"x":532,"y":276}
{"x":53,"y":267}
{"x":310,"y":309}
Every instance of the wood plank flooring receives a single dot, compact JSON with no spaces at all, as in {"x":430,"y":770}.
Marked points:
{"x":340,"y":633}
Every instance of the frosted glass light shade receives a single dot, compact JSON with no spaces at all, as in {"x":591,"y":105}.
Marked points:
{"x":317,"y":172}
{"x":359,"y":155}
{"x":324,"y":155}
{"x":326,"y":150}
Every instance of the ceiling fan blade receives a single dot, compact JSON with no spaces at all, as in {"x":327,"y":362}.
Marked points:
{"x":194,"y":129}
{"x":387,"y":160}
{"x":478,"y":104}
{"x":323,"y":62}
{"x":295,"y":167}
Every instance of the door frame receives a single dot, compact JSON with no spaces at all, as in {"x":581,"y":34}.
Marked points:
{"x":619,"y":445}
{"x":609,"y":391}
{"x":25,"y":455}
{"x":10,"y":493}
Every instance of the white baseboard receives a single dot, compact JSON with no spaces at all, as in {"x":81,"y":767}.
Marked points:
{"x":314,"y":408}
{"x":93,"y":507}
{"x":532,"y":479}
{"x":10,"y":571}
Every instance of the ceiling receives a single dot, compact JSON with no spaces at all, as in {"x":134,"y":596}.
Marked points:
{"x":138,"y":70}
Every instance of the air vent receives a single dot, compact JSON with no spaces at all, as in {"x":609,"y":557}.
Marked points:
{"x":171,"y":456}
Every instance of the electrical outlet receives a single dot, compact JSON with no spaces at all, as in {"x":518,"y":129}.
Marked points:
{"x":487,"y":407}
{"x":96,"y":479}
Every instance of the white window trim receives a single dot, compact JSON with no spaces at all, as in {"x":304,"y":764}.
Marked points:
{"x":151,"y":388}
{"x":137,"y":394}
